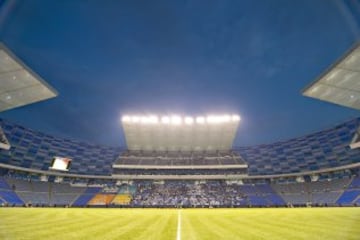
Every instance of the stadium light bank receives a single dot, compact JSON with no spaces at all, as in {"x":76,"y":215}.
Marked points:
{"x":180,"y":120}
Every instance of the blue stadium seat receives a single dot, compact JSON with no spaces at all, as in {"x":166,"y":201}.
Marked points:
{"x":33,"y":149}
{"x":324,"y":149}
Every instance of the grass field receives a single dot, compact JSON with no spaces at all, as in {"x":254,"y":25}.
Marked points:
{"x":158,"y":224}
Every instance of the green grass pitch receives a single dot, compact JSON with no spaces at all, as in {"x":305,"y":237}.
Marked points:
{"x":161,"y":224}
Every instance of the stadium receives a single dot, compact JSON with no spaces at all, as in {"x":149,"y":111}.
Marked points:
{"x":178,"y":176}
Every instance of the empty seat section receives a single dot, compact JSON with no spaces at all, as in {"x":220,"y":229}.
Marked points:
{"x":85,"y":197}
{"x":275,"y":199}
{"x":64,"y":194}
{"x":34,"y":193}
{"x":10,"y":197}
{"x":325,"y":197}
{"x":19,"y":185}
{"x":257,"y":200}
{"x":7,"y":195}
{"x":4,"y":184}
{"x":348,"y":197}
{"x":355,"y":184}
{"x":35,"y":198}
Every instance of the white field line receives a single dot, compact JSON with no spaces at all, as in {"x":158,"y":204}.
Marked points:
{"x":178,"y":234}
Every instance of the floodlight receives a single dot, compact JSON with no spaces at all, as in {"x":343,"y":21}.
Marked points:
{"x":189,"y":120}
{"x":235,"y":118}
{"x":200,"y":120}
{"x":176,"y":120}
{"x":226,"y":118}
{"x":176,"y":132}
{"x":135,"y":119}
{"x":165,"y":120}
{"x":126,"y":119}
{"x":213,"y":119}
{"x":210,"y":119}
{"x":144,"y":120}
{"x":153,"y":119}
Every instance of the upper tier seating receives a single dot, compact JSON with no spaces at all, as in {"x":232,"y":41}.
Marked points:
{"x":324,"y":149}
{"x":33,"y":149}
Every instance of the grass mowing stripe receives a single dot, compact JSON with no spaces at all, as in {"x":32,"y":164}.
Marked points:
{"x":100,"y":227}
{"x":196,"y":224}
{"x":312,"y":230}
{"x":166,"y":229}
{"x":274,"y":223}
{"x":240,"y":228}
{"x":189,"y":233}
{"x":129,"y":229}
{"x":124,"y":232}
{"x":59,"y":225}
{"x":156,"y":229}
{"x":206,"y":226}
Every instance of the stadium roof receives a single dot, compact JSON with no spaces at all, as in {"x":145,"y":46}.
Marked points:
{"x":19,"y":84}
{"x":340,"y":84}
{"x":176,"y":133}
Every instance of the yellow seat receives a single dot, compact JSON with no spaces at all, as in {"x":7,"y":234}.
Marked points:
{"x":122,"y":199}
{"x":101,"y":199}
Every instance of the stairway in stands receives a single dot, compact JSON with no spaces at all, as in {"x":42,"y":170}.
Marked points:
{"x":7,"y":195}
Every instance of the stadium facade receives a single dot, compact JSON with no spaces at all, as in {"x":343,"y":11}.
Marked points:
{"x":317,"y":169}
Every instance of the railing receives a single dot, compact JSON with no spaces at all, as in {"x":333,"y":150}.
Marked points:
{"x":180,"y":177}
{"x":227,"y":166}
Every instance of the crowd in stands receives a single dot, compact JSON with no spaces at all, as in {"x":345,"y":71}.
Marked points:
{"x":181,"y":193}
{"x":318,"y":151}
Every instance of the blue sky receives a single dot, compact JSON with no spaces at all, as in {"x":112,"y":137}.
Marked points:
{"x":108,"y":58}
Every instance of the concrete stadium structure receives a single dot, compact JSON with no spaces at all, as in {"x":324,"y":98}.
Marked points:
{"x":316,"y":169}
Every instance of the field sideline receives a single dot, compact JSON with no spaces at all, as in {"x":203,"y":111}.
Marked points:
{"x":196,"y":224}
